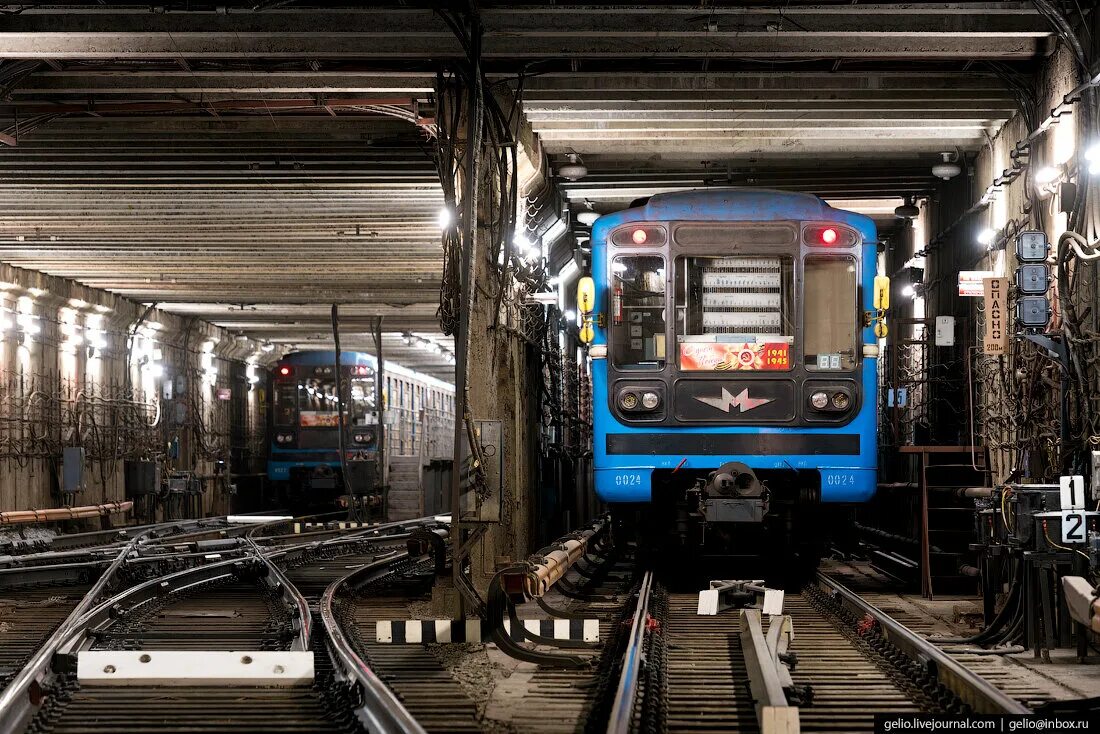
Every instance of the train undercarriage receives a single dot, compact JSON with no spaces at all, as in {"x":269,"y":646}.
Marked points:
{"x":734,"y":522}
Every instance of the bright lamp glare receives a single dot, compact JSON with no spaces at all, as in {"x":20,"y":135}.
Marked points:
{"x":986,"y":236}
{"x":569,"y":316}
{"x":444,"y":218}
{"x":1093,"y":153}
{"x":908,"y":291}
{"x":1046,"y":174}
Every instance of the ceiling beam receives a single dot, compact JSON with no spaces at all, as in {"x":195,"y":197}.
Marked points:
{"x":868,"y":30}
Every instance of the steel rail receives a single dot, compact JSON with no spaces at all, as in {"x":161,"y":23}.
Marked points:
{"x":971,"y":688}
{"x":379,"y":709}
{"x":18,"y":700}
{"x":623,"y":708}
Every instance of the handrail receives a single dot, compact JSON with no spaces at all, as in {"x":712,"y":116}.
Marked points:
{"x":379,"y":710}
{"x":625,"y":704}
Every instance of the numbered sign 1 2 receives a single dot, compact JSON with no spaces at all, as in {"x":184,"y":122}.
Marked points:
{"x":1073,"y":526}
{"x":1073,"y":492}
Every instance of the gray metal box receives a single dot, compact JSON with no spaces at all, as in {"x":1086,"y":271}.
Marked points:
{"x":72,"y":469}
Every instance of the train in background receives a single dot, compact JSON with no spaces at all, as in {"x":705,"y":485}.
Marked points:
{"x":304,"y":467}
{"x":734,"y":342}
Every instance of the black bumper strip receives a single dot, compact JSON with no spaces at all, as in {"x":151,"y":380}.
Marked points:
{"x":737,"y":444}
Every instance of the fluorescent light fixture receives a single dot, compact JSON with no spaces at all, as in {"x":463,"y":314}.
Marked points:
{"x":1047,"y":174}
{"x":986,"y":236}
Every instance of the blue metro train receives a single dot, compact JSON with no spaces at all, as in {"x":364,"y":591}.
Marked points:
{"x":304,"y":466}
{"x":733,"y":333}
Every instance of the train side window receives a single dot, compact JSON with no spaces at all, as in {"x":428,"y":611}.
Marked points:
{"x":831,"y":316}
{"x":638,"y":301}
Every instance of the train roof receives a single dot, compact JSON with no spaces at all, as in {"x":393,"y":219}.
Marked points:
{"x":736,"y":204}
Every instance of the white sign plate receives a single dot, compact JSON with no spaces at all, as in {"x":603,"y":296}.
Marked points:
{"x":971,"y":282}
{"x":1073,"y":492}
{"x":1073,"y":526}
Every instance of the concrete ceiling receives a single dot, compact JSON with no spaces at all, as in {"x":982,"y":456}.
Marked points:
{"x":251,"y":167}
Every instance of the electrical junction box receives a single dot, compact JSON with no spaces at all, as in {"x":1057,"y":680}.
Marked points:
{"x":1032,"y":247}
{"x":72,"y":469}
{"x":1033,"y":312}
{"x":1033,"y":279}
{"x":945,"y":331}
{"x":142,"y":477}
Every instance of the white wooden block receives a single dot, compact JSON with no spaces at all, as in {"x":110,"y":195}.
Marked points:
{"x":194,"y":668}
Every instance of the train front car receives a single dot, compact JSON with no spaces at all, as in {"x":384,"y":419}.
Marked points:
{"x":735,"y":400}
{"x":304,"y":466}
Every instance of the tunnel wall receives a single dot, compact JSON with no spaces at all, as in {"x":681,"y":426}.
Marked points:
{"x":66,"y":381}
{"x":1015,"y":397}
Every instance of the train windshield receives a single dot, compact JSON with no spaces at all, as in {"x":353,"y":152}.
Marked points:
{"x":638,"y":312}
{"x":317,"y":397}
{"x":734,"y":312}
{"x":831,"y":314}
{"x":318,"y":403}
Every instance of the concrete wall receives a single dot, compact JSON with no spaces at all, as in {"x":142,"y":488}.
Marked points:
{"x":65,"y":380}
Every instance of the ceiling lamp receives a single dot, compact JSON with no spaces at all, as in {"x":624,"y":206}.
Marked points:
{"x":908,"y":210}
{"x":587,"y":217}
{"x":948,"y":169}
{"x":574,"y":170}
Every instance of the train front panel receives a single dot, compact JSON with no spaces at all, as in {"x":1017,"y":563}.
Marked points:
{"x":733,"y":346}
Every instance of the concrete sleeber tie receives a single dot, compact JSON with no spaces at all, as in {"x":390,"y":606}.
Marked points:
{"x":181,"y":668}
{"x":420,"y":631}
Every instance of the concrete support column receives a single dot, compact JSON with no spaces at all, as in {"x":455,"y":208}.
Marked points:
{"x":501,"y":365}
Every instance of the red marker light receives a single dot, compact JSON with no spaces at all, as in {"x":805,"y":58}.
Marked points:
{"x":639,"y":236}
{"x":284,"y":371}
{"x":829,"y":236}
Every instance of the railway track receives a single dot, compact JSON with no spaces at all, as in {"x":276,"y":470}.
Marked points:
{"x":234,"y":612}
{"x":447,"y":688}
{"x":682,"y":672}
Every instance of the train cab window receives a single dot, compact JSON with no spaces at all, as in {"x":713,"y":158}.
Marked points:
{"x":831,"y":313}
{"x":638,"y":301}
{"x":286,"y":403}
{"x":734,"y":312}
{"x":319,"y":403}
{"x":363,"y":412}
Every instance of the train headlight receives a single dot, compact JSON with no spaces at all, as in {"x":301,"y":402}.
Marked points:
{"x":841,"y":401}
{"x":819,"y":400}
{"x":628,"y":401}
{"x":650,"y":400}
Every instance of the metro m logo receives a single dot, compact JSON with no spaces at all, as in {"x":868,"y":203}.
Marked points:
{"x":743,"y":402}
